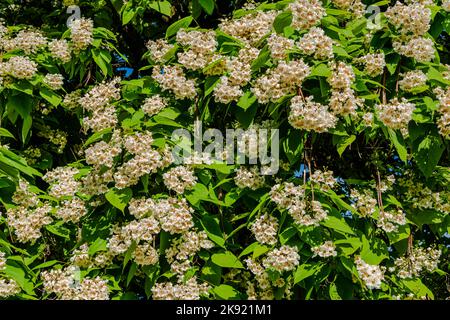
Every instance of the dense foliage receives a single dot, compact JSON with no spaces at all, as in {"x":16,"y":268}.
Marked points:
{"x":95,"y":207}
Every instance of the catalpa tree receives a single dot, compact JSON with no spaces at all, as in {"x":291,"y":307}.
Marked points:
{"x":295,"y":149}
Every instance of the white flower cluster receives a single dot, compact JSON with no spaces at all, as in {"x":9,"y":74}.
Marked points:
{"x":354,"y":6}
{"x":409,"y":19}
{"x":316,"y":43}
{"x":154,"y":104}
{"x":390,"y":220}
{"x":306,"y":13}
{"x":103,"y":153}
{"x":201,"y":46}
{"x":395,"y":114}
{"x":292,"y":198}
{"x":173,"y":78}
{"x":98,"y":102}
{"x":54,"y":80}
{"x":81,"y":33}
{"x":8,"y":288}
{"x":325,"y":250}
{"x":446,"y":5}
{"x":191,"y":290}
{"x":159,"y":49}
{"x":27,"y":41}
{"x":265,"y":229}
{"x":29,"y":216}
{"x":2,"y":261}
{"x":417,"y":261}
{"x":248,"y":178}
{"x":343,"y":100}
{"x":412,"y":79}
{"x":62,"y":182}
{"x":374,"y":63}
{"x":188,"y":245}
{"x":250,"y":28}
{"x":226,"y":92}
{"x":422,"y":197}
{"x":59,"y":49}
{"x":63,"y":283}
{"x":278,"y":45}
{"x":145,"y":161}
{"x":71,"y":210}
{"x":372,"y":275}
{"x":179,"y":179}
{"x":419,"y":48}
{"x":280,"y":81}
{"x":444,"y":110}
{"x":27,"y":222}
{"x":364,"y":202}
{"x":174,"y":215}
{"x":324,"y":179}
{"x":285,"y":258}
{"x":18,"y":67}
{"x":309,"y":115}
{"x":81,"y":258}
{"x":23,"y":196}
{"x":342,"y":75}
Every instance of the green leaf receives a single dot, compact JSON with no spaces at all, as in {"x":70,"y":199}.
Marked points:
{"x":433,"y":74}
{"x":399,"y":144}
{"x":59,"y":230}
{"x":226,"y":292}
{"x":348,"y":246}
{"x":45,"y":264}
{"x":344,"y":143}
{"x":174,"y":27}
{"x":207,"y":5}
{"x":131,"y":273}
{"x":6,"y":133}
{"x":27,"y":122}
{"x":103,"y":59}
{"x":375,"y":251}
{"x":128,"y":13}
{"x":249,"y":249}
{"x":293,"y":145}
{"x":426,"y":216}
{"x":392,"y":61}
{"x":163,"y":7}
{"x":210,"y":84}
{"x":119,"y":198}
{"x":261,"y":60}
{"x":338,"y":225}
{"x":50,"y":96}
{"x":9,"y":158}
{"x":20,"y":103}
{"x":417,"y":287}
{"x":306,"y":270}
{"x":283,"y":20}
{"x":332,"y":290}
{"x":247,"y":100}
{"x":320,"y":70}
{"x":227,"y":260}
{"x":97,"y":136}
{"x":98,"y":245}
{"x":23,"y":86}
{"x":287,"y":234}
{"x":212,"y":229}
{"x":427,"y":153}
{"x":18,"y":274}
{"x":129,"y":254}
